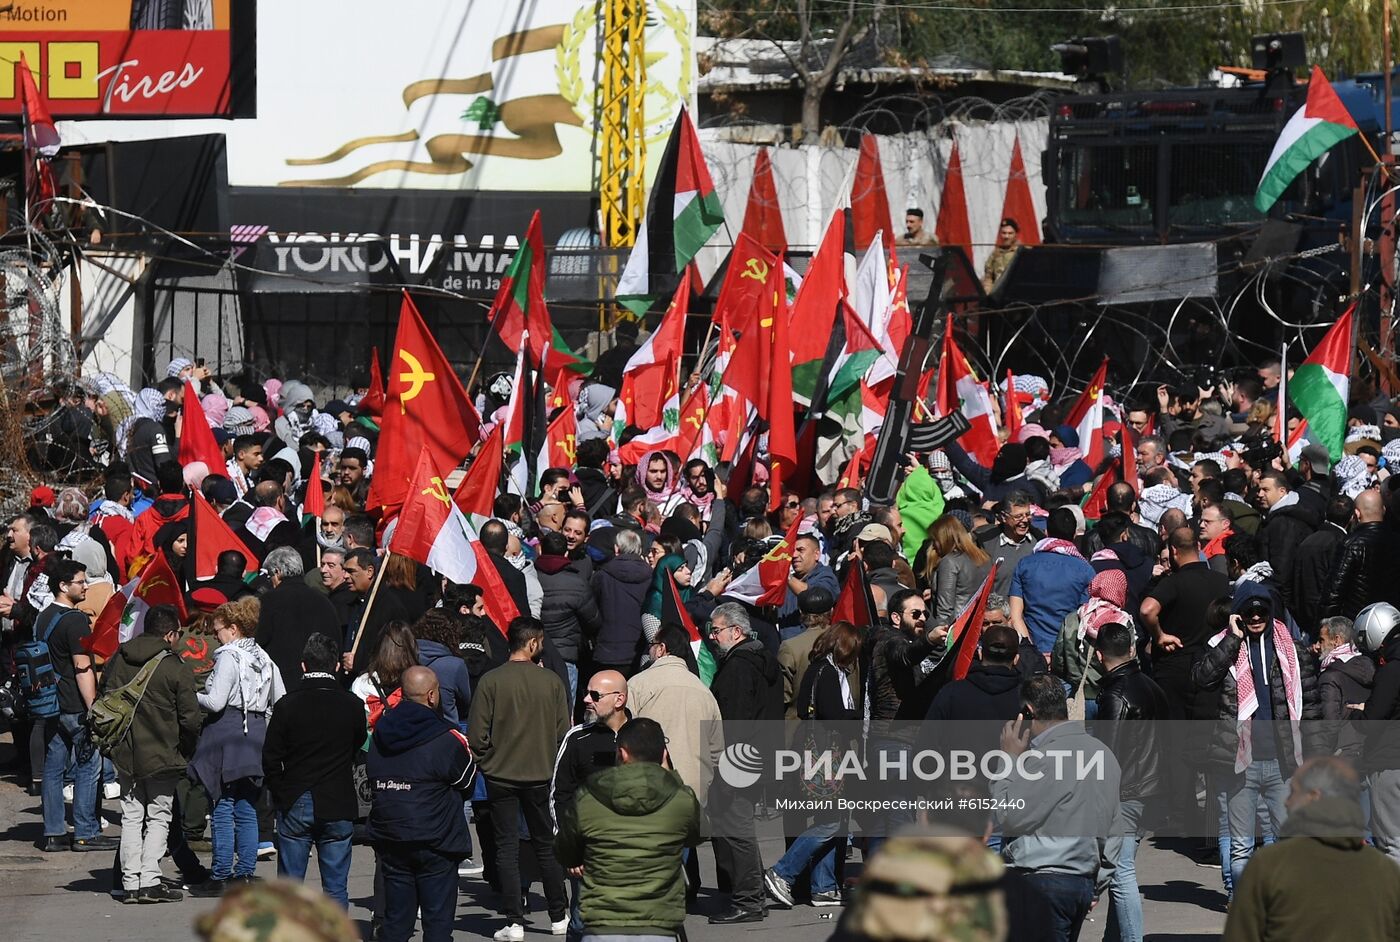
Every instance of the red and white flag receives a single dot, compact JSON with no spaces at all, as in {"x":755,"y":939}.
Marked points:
{"x":1087,"y":417}
{"x":960,"y":391}
{"x":431,"y":528}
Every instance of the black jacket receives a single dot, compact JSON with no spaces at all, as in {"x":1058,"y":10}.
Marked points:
{"x":1144,"y":538}
{"x":819,"y":694}
{"x":599,"y":499}
{"x":1130,"y":704}
{"x":290,"y":614}
{"x":585,"y":749}
{"x":420,"y":770}
{"x":386,"y":608}
{"x":1364,"y":571}
{"x":990,"y":692}
{"x":621,"y":586}
{"x":569,"y":611}
{"x":894,"y":673}
{"x":1382,"y":739}
{"x":748,"y":685}
{"x":312,"y":740}
{"x":1312,"y":566}
{"x":514,"y":580}
{"x":1283,"y":531}
{"x":1211,"y":672}
{"x":1341,"y":683}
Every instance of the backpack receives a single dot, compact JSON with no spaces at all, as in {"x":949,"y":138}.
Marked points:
{"x":35,"y":671}
{"x":379,"y":701}
{"x":111,"y":715}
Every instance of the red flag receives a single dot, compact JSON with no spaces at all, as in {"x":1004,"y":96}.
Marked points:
{"x":40,"y":133}
{"x":673,"y":608}
{"x":212,"y":536}
{"x":105,"y":637}
{"x":561,"y":439}
{"x":519,"y":305}
{"x":870,"y":207}
{"x":196,"y":437}
{"x":1128,"y":461}
{"x":1097,"y":502}
{"x":476,"y":494}
{"x":500,"y":607}
{"x":1018,"y":204}
{"x":314,"y":501}
{"x":744,"y":280}
{"x":775,"y":567}
{"x":782,"y":436}
{"x":763,"y":217}
{"x":426,"y":407}
{"x":1011,"y":412}
{"x":953,"y":227}
{"x":158,"y":586}
{"x":1086,"y":417}
{"x":372,"y":404}
{"x":431,"y":528}
{"x":854,"y":604}
{"x":813,"y":313}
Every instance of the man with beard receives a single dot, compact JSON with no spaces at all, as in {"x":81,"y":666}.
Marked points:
{"x":351,"y":471}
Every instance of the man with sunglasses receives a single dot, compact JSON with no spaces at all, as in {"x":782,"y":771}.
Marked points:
{"x":588,"y":748}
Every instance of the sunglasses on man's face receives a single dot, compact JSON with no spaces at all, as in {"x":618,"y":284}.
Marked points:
{"x":596,"y":695}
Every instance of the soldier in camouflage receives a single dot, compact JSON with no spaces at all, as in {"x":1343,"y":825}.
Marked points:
{"x":1008,"y":241}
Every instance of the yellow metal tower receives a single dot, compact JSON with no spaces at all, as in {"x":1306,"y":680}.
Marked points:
{"x":622,"y":154}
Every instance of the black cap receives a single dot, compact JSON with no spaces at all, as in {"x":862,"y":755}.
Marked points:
{"x":815,"y":601}
{"x":337,"y":406}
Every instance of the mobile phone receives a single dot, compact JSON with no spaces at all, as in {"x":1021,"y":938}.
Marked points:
{"x":1023,"y":724}
{"x":199,"y":362}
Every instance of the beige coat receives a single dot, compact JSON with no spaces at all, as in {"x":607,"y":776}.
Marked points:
{"x":794,"y":656}
{"x":689,"y":716}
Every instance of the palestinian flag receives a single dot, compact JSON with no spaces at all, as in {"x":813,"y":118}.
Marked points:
{"x":683,"y":211}
{"x":964,"y":635}
{"x":1322,"y":122}
{"x":561,"y":365}
{"x":519,"y":305}
{"x":855,"y":604}
{"x":673,"y":612}
{"x":1321,"y":385}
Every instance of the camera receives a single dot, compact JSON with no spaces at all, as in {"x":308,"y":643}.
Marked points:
{"x":1261,"y":455}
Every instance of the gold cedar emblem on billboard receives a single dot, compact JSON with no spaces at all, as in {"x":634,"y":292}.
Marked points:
{"x":533,"y":120}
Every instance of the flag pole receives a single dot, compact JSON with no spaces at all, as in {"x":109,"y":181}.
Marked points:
{"x":369,"y":605}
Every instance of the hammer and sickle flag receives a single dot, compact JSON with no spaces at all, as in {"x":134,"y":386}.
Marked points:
{"x":431,"y":528}
{"x":426,"y":408}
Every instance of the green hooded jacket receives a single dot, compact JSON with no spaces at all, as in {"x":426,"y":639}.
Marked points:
{"x":920,"y":502}
{"x":627,"y":828}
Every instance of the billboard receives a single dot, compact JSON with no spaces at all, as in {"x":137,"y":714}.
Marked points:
{"x":440,"y":95}
{"x":122,"y":58}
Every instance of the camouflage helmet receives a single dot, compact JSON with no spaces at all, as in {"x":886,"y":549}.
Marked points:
{"x":275,"y":911}
{"x":931,"y":888}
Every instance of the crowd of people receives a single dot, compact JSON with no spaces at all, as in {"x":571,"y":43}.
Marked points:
{"x":319,"y":678}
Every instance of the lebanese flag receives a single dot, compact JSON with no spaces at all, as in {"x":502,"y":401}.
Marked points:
{"x":519,"y":304}
{"x":1018,"y":205}
{"x":124,"y":615}
{"x":872,"y":410}
{"x":431,"y":528}
{"x":372,"y":404}
{"x":1087,"y":417}
{"x":763,"y":216}
{"x":953,"y":227}
{"x":426,"y":407}
{"x":683,"y":211}
{"x":766,"y":583}
{"x":673,"y":612}
{"x":960,"y":391}
{"x":196,"y":437}
{"x":476,"y":492}
{"x":813,"y":314}
{"x":40,"y":133}
{"x":210,"y":536}
{"x":1314,"y":129}
{"x":901,"y":322}
{"x":870,"y":206}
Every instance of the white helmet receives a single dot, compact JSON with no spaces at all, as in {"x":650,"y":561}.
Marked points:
{"x":1374,"y":625}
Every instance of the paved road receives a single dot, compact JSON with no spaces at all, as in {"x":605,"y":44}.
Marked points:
{"x":55,"y":897}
